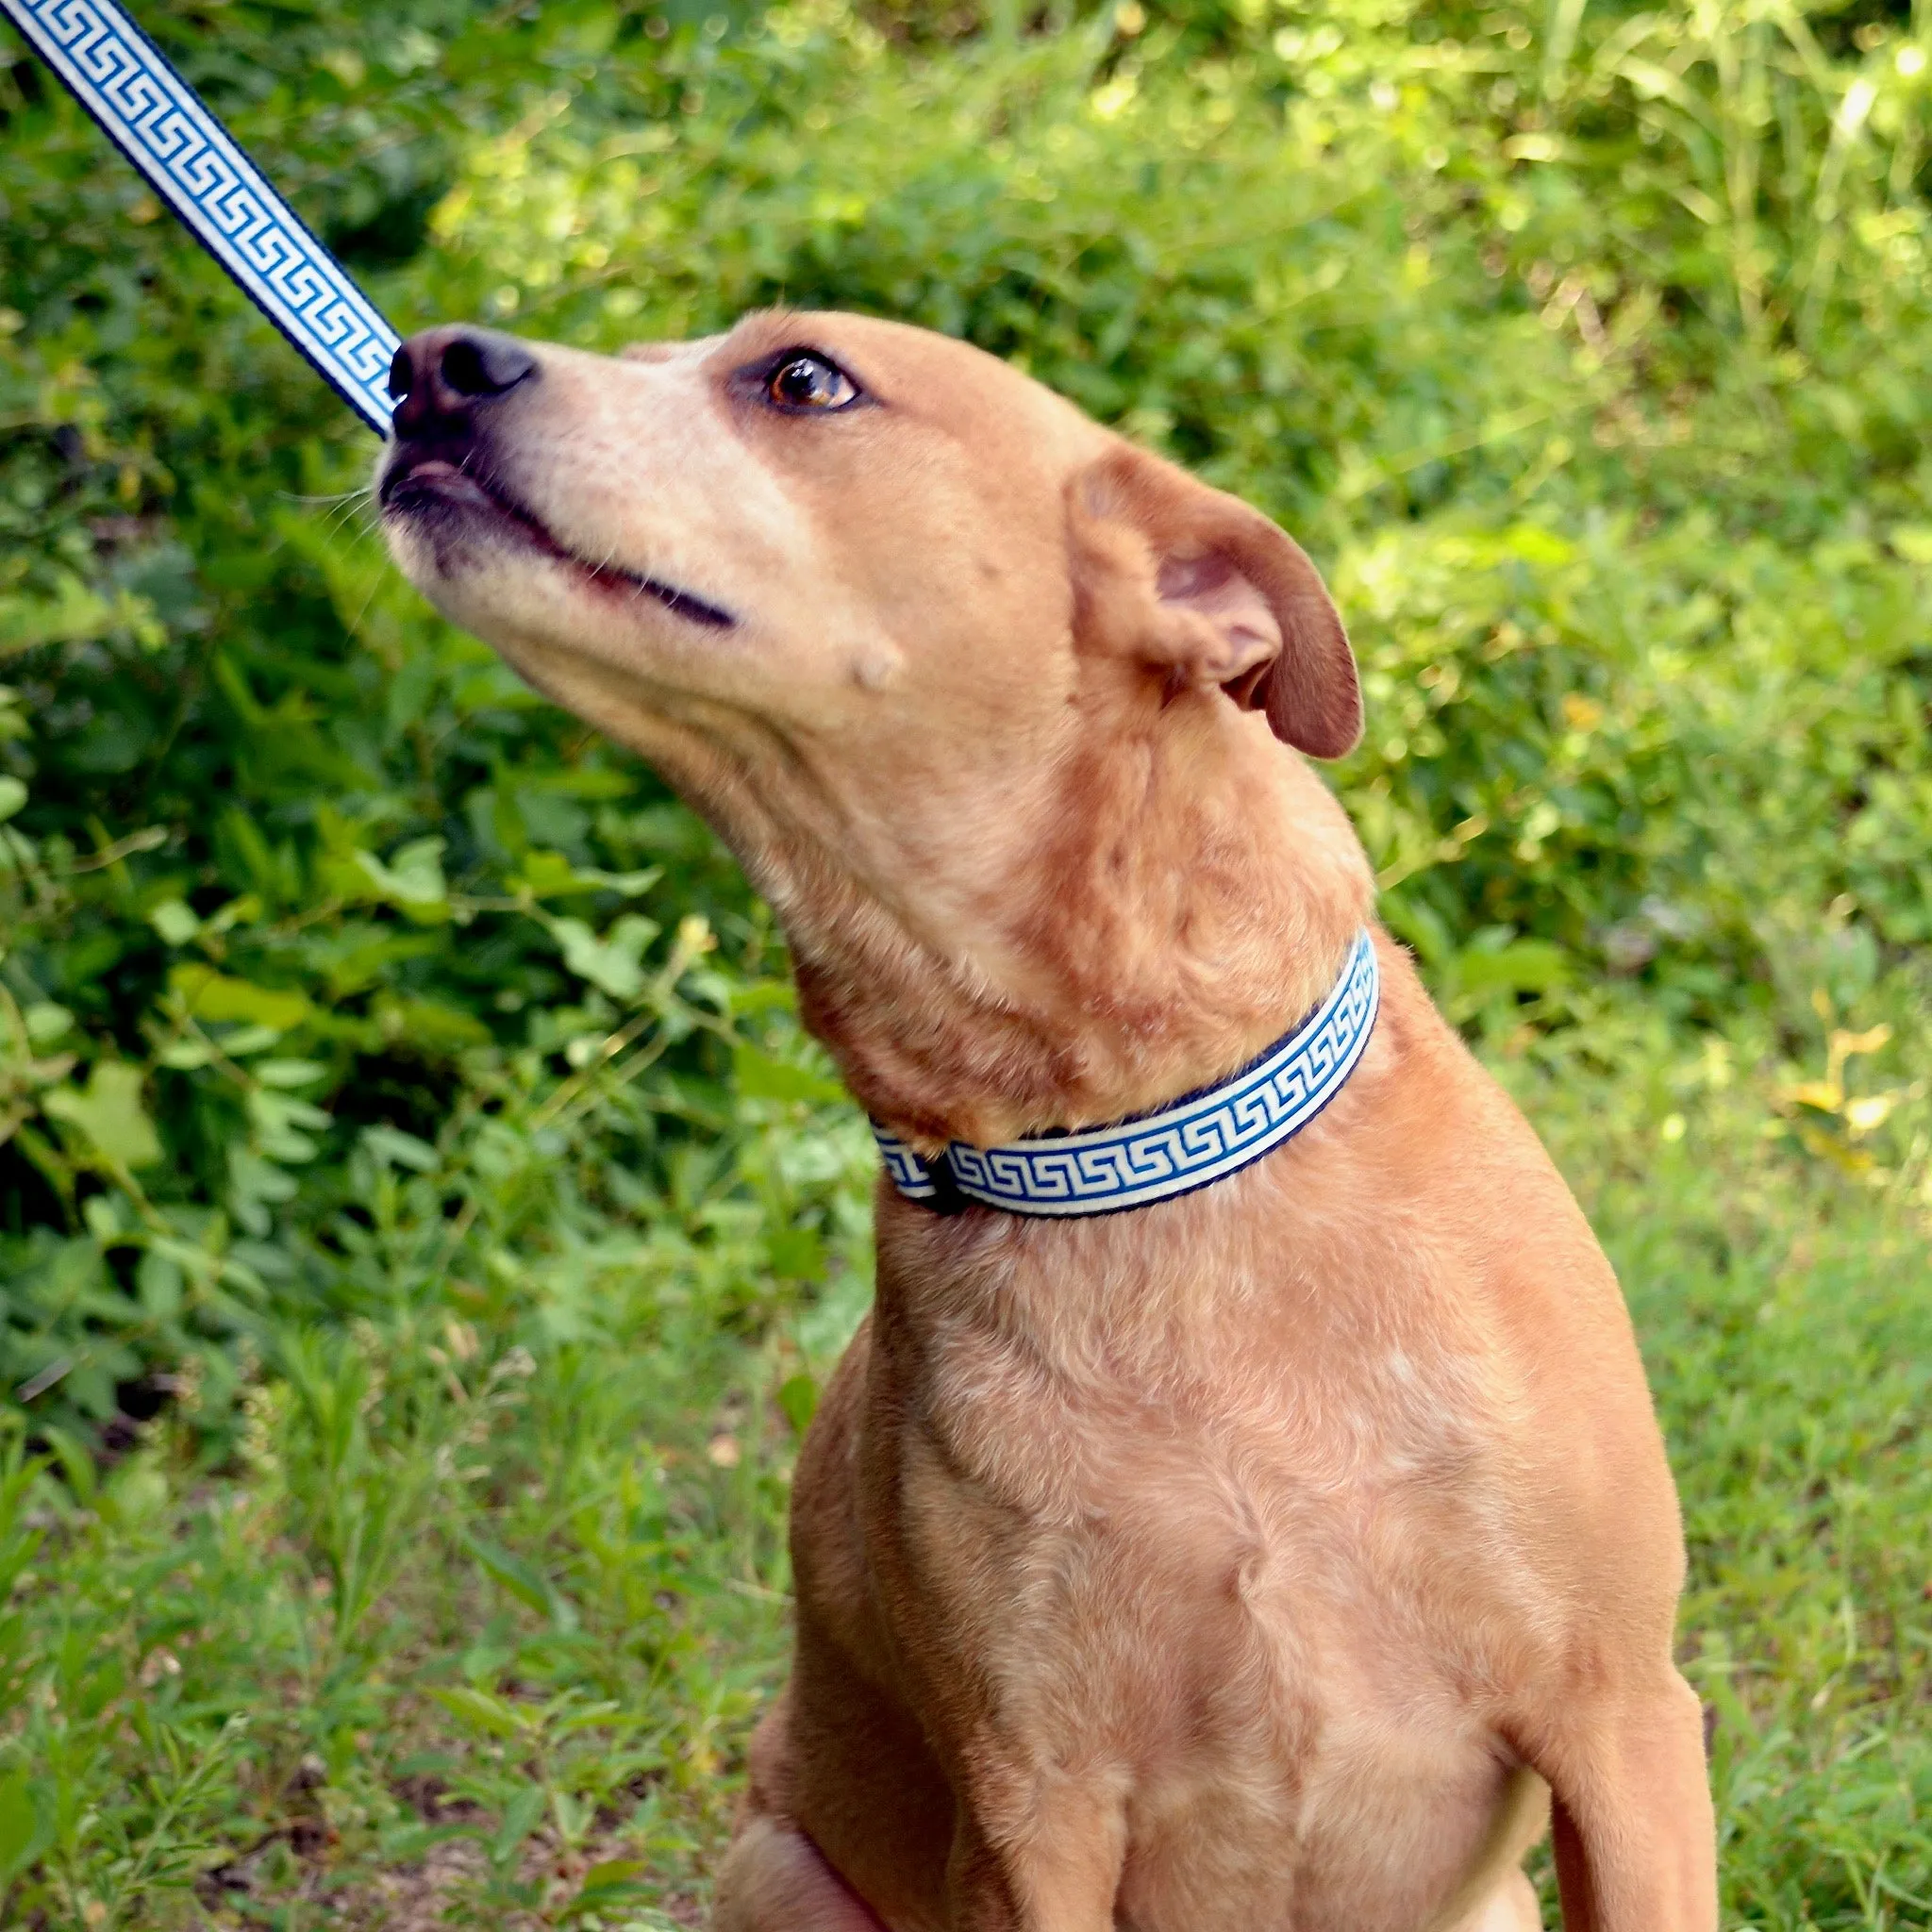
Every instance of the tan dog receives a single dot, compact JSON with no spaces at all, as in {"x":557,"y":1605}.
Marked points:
{"x":1258,"y":1561}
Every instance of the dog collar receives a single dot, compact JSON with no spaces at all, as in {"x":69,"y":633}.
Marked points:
{"x":1202,"y":1138}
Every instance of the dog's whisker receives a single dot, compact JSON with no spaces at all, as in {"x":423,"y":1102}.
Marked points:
{"x":329,"y":497}
{"x":348,"y":510}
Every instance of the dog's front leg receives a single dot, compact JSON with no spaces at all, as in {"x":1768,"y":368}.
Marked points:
{"x":774,"y":1879}
{"x":1055,"y":1868}
{"x":1632,"y":1826}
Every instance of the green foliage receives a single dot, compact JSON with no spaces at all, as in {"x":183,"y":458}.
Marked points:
{"x":478,"y":1626}
{"x":400,"y":1101}
{"x":1585,"y":352}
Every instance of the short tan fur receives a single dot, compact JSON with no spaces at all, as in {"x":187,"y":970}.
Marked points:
{"x":1280,"y":1558}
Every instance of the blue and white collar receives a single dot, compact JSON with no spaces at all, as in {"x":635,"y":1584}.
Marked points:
{"x":1202,"y":1138}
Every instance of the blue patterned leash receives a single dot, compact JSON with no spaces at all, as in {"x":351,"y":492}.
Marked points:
{"x":156,"y":119}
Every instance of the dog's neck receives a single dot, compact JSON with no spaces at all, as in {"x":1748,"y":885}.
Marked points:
{"x":1161,"y":905}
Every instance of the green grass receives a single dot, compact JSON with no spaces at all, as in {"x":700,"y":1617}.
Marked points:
{"x":1788,"y":1329}
{"x":478,"y":1625}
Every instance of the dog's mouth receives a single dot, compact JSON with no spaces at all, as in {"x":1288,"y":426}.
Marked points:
{"x":430,"y":489}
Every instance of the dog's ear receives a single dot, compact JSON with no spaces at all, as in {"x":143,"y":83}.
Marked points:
{"x":1208,"y":592}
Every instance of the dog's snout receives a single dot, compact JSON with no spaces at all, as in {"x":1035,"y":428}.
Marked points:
{"x":442,"y":377}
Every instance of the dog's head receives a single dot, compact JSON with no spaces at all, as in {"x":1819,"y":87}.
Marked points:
{"x":868,"y":597}
{"x":828,"y":522}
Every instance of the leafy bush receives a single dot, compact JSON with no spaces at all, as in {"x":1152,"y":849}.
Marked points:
{"x":305,"y":880}
{"x":1591,"y":362}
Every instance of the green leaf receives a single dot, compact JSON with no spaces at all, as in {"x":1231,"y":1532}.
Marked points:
{"x":398,"y":1149}
{"x":796,"y":1253}
{"x":479,"y":1710}
{"x":412,"y":879}
{"x":613,"y":963}
{"x":550,"y":874}
{"x":12,"y":796}
{"x":614,"y":1882}
{"x":759,"y":1077}
{"x":520,"y":1819}
{"x":434,"y":1023}
{"x":527,"y":1584}
{"x":76,"y":1465}
{"x":158,"y":1279}
{"x":764,"y":996}
{"x":1526,"y":966}
{"x":46,"y":1021}
{"x":22,"y":1832}
{"x":213,"y":996}
{"x":288,"y":1072}
{"x":108,"y":1112}
{"x":612,"y":1874}
{"x":798,"y":1400}
{"x":173,"y":919}
{"x":1912,"y":541}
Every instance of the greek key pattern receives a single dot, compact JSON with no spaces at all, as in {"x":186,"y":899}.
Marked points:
{"x":1154,"y":1156}
{"x":910,"y":1174}
{"x":124,"y":81}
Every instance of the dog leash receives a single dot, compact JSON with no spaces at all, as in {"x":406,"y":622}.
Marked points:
{"x":189,"y":161}
{"x":1194,"y":1141}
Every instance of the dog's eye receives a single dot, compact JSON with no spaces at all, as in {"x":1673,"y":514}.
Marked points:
{"x":802,"y":382}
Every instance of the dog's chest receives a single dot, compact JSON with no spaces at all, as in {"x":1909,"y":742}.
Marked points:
{"x":1232,"y":1580}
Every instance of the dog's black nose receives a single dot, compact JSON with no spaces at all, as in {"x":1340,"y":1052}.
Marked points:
{"x":442,"y":377}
